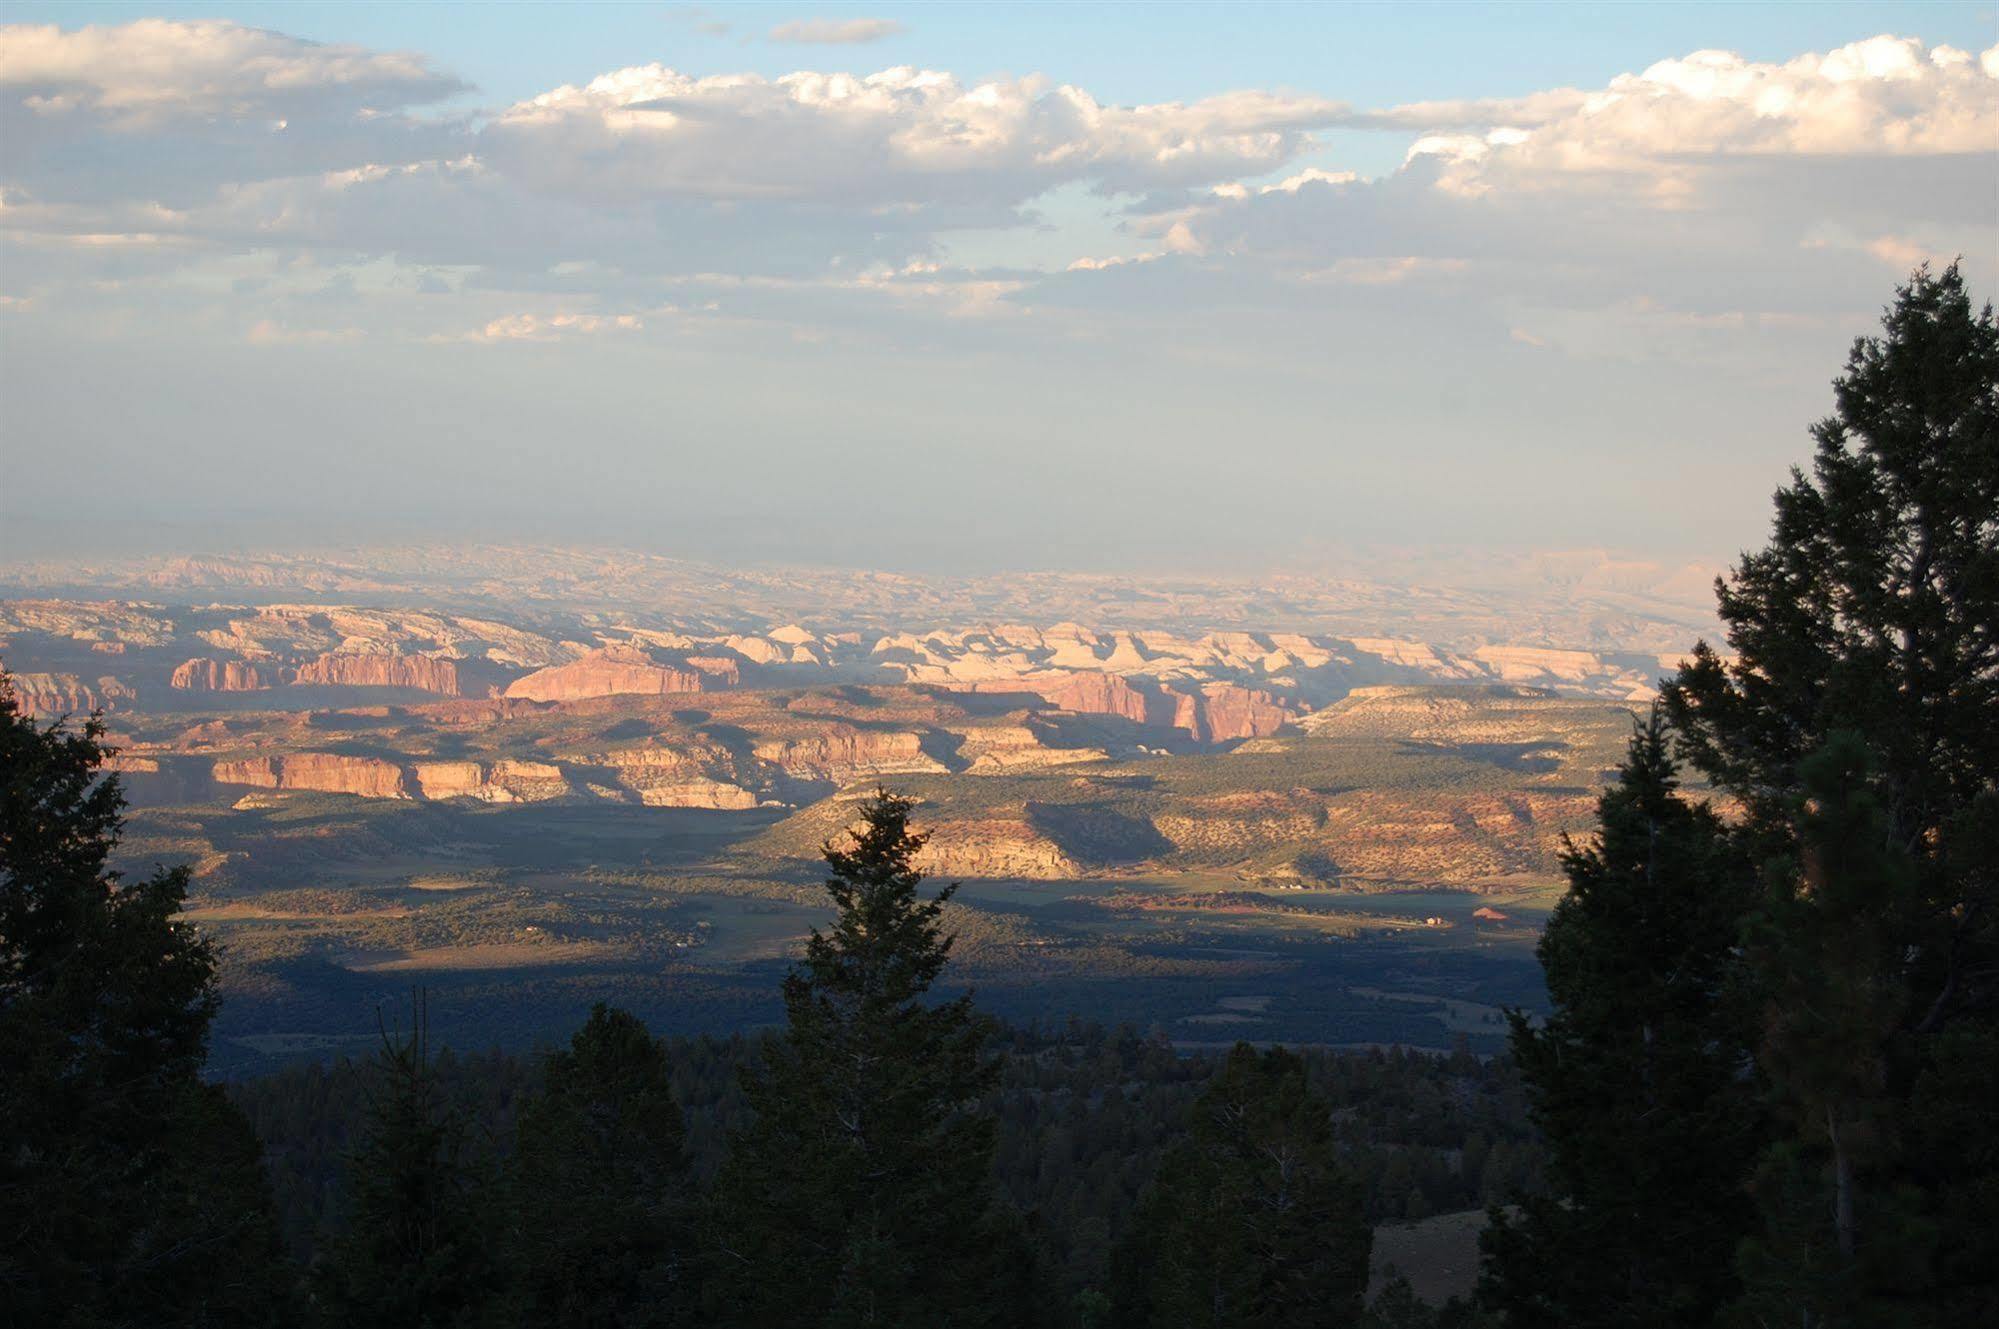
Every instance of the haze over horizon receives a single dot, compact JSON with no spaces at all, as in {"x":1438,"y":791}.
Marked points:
{"x":1178,"y":290}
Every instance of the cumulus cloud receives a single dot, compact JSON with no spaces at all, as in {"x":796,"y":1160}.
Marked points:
{"x":1883,"y":96}
{"x":139,"y":74}
{"x":899,"y":137}
{"x":835,"y":31}
{"x":169,"y":111}
{"x":1702,"y":179}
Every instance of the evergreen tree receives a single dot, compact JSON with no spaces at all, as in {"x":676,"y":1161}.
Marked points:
{"x":129,"y":1190}
{"x":1866,"y":634}
{"x":1252,"y":1221}
{"x":599,"y":1187}
{"x":861,"y":1194}
{"x":1637,"y":1079}
{"x":413,"y":1250}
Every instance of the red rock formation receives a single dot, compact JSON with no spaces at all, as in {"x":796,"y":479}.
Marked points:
{"x":504,"y":781}
{"x":1091,"y":692}
{"x":425,"y":673}
{"x":66,"y":694}
{"x":607,"y":672}
{"x":1223,"y":712}
{"x":1218,"y":713}
{"x":721,"y":668}
{"x":846,"y":756}
{"x":326,"y":772}
{"x":204,"y":675}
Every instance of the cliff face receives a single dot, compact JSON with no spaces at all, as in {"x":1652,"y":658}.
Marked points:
{"x":425,"y":673}
{"x":1222,"y":712}
{"x":325,"y":772}
{"x":205,"y":675}
{"x":1016,"y":747}
{"x":1093,"y":692}
{"x":993,"y":847}
{"x":848,"y":756}
{"x":1217,"y":713}
{"x":497,"y":782}
{"x":607,"y":672}
{"x":701,"y":776}
{"x":66,"y":694}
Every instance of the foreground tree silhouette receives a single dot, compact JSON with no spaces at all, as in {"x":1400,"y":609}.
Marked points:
{"x":130,"y":1192}
{"x":1862,"y":707}
{"x":414,"y":1247}
{"x":1252,"y":1220}
{"x":598,"y":1188}
{"x":862,"y":1192}
{"x":1637,"y":1079}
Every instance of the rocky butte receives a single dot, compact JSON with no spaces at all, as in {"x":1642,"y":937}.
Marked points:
{"x":423,"y":673}
{"x":205,"y":675}
{"x":610,"y":671}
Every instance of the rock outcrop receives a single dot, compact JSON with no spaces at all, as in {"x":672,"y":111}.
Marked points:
{"x":845,"y":756}
{"x":698,"y":776}
{"x":993,"y":847}
{"x":202,"y":674}
{"x":1214,"y":713}
{"x":424,"y":673}
{"x":67,"y":694}
{"x":612,"y":671}
{"x":324,"y":772}
{"x":495,"y":782}
{"x":1224,"y":712}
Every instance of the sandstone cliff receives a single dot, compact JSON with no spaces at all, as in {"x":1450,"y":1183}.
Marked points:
{"x":848,"y":755}
{"x":607,"y":672}
{"x":697,"y":776}
{"x":495,"y":782}
{"x":325,"y":772}
{"x":424,"y":673}
{"x":993,"y":847}
{"x":205,"y":675}
{"x":67,"y":694}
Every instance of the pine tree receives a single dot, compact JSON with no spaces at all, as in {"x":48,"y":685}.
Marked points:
{"x":862,"y":1192}
{"x":1866,"y":636}
{"x":413,"y":1252}
{"x":129,"y":1190}
{"x":599,"y":1192}
{"x":1637,"y":1079}
{"x":1252,"y":1220}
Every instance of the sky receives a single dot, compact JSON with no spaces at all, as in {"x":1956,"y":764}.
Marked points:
{"x":959,"y":287}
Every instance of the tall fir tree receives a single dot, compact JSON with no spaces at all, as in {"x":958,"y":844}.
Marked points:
{"x":598,"y":1189}
{"x":415,"y":1245}
{"x":130,"y":1191}
{"x":1252,"y":1221}
{"x":1638,"y":1080}
{"x":862,"y":1192}
{"x":1865,"y":641}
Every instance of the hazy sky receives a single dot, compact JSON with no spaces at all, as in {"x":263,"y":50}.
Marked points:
{"x":958,"y":287}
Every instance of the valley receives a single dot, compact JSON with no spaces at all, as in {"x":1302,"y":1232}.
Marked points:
{"x":1209,"y":831}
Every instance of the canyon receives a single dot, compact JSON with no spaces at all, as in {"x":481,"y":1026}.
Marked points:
{"x":1041,"y":747}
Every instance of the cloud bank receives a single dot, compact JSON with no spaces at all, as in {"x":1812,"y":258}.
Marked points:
{"x":1710,"y":225}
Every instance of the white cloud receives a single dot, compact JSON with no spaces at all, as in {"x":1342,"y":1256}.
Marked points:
{"x":1311,"y":175}
{"x":899,"y":137}
{"x":139,"y":74}
{"x":137,"y":151}
{"x":537,"y":327}
{"x":1886,"y":95}
{"x":835,"y":31}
